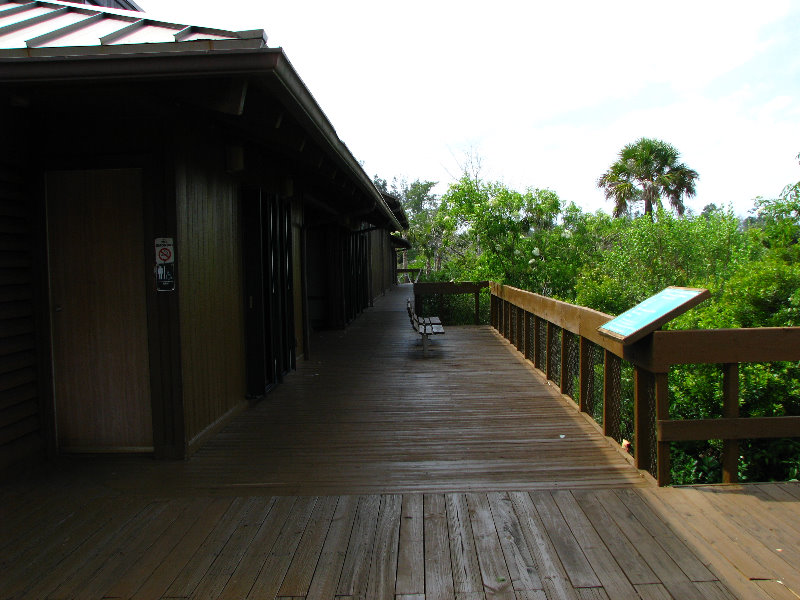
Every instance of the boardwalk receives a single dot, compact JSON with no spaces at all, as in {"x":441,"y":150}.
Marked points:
{"x":375,"y":472}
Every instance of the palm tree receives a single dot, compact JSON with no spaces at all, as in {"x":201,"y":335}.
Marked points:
{"x":648,"y":170}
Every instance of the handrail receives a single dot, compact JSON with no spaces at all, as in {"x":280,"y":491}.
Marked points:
{"x":533,"y":323}
{"x":433,"y":288}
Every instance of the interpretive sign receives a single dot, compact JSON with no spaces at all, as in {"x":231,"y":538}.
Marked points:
{"x":648,"y":316}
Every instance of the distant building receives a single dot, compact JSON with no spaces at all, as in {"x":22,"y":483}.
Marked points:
{"x":177,"y":216}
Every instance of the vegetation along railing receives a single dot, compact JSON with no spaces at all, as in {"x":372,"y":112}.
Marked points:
{"x":562,"y":341}
{"x":445,"y":288}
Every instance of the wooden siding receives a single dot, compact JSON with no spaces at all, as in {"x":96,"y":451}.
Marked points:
{"x":209,"y":284}
{"x":21,"y":435}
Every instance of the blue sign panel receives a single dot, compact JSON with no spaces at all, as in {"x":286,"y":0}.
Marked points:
{"x":652,"y":313}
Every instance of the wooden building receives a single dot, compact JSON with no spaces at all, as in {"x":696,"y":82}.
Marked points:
{"x":177,"y":215}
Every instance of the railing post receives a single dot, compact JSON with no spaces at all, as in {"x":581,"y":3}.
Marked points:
{"x":730,"y":409}
{"x":643,"y":418}
{"x":612,"y":373}
{"x":520,"y":341}
{"x":585,"y":372}
{"x":663,"y":474}
{"x":564,"y":375}
{"x":477,"y":308}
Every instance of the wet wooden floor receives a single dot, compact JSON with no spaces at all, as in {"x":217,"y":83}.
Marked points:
{"x":377,"y":472}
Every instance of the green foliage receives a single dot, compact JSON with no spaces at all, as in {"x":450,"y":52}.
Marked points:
{"x":533,"y":240}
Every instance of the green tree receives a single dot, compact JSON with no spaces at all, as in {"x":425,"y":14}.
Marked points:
{"x":648,"y":170}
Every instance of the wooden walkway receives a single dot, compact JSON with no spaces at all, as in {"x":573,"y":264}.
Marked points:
{"x":375,"y":472}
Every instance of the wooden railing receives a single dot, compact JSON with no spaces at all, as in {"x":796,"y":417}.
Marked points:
{"x":411,"y":274}
{"x":445,"y":288}
{"x":562,"y":341}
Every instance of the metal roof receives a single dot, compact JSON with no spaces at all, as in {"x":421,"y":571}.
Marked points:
{"x":53,"y":28}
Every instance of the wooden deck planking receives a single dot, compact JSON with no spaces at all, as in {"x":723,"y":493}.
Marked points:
{"x":353,"y":481}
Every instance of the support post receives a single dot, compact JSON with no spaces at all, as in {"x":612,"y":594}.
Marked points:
{"x":642,"y":418}
{"x":537,"y":359}
{"x":564,"y":375}
{"x":526,"y":334}
{"x":730,"y":409}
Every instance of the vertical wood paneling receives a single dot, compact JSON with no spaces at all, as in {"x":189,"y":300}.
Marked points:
{"x":97,"y":278}
{"x":20,"y":421}
{"x":210,"y":284}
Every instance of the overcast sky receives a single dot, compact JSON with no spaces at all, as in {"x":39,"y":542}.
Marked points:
{"x":545,"y":93}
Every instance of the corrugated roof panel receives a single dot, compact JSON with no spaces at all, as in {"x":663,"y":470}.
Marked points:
{"x":57,"y":20}
{"x":9,"y":16}
{"x":88,"y":34}
{"x":46,"y":24}
{"x":149,"y":33}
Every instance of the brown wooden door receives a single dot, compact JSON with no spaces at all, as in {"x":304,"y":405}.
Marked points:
{"x":98,"y":302}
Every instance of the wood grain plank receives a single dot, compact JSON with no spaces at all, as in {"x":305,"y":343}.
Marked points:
{"x":382,"y":578}
{"x":681,"y":518}
{"x":624,"y":552}
{"x":576,"y":565}
{"x":666,"y":538}
{"x":229,"y":557}
{"x":438,"y":568}
{"x":519,"y":560}
{"x":494,"y":572}
{"x":331,"y":560}
{"x":611,"y":576}
{"x":411,"y":553}
{"x":554,"y":579}
{"x":463,"y":555}
{"x":257,"y":553}
{"x":274,"y":569}
{"x":662,"y":564}
{"x":353,"y":581}
{"x":193,"y":572}
{"x":181,"y":554}
{"x":304,"y":562}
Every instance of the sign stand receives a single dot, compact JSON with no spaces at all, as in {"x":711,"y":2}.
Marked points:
{"x":648,"y":316}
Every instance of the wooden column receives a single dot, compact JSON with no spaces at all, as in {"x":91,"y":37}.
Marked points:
{"x":662,"y":414}
{"x":642,"y":418}
{"x":520,"y":340}
{"x":585,"y":373}
{"x":548,"y":369}
{"x":564,"y":375}
{"x":537,"y":359}
{"x":730,"y":409}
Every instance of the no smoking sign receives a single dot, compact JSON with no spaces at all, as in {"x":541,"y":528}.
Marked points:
{"x":165,"y":251}
{"x":165,"y":264}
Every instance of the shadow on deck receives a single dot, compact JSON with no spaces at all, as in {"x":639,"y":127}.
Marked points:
{"x":375,"y":472}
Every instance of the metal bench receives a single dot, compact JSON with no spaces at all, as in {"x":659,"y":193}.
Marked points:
{"x":425,"y":326}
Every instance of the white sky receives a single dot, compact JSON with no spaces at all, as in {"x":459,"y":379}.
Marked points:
{"x":545,"y":93}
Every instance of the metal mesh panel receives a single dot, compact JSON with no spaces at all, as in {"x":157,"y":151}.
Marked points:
{"x":652,"y":463}
{"x":554,"y":355}
{"x":573,"y":365}
{"x":612,"y":396}
{"x":626,"y":402}
{"x":531,"y":337}
{"x":512,"y":333}
{"x":541,"y":350}
{"x":594,"y":375}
